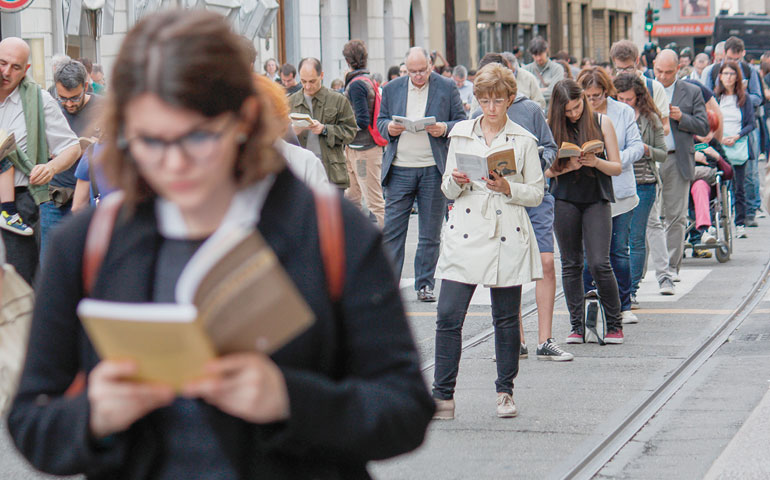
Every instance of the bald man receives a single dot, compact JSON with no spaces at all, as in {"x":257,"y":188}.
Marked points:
{"x":687,"y":115}
{"x":414,"y":163}
{"x":22,"y":103}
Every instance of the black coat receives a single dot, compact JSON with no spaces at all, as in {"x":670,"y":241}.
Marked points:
{"x":353,"y":378}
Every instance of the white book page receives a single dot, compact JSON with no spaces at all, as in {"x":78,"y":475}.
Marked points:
{"x":472,"y":165}
{"x":137,"y":312}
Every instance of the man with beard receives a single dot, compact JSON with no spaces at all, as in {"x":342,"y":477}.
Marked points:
{"x":80,"y":109}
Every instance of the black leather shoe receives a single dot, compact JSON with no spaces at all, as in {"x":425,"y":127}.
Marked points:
{"x":425,"y":294}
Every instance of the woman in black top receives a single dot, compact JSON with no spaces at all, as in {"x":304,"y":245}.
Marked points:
{"x":189,"y":140}
{"x":583,"y":191}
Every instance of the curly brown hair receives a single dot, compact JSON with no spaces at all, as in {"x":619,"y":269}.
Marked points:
{"x":190,"y":60}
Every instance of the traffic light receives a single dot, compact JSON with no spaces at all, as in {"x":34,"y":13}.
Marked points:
{"x":648,"y":18}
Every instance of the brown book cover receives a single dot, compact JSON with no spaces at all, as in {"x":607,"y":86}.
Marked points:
{"x":248,"y":302}
{"x":568,"y":149}
{"x":244,"y":302}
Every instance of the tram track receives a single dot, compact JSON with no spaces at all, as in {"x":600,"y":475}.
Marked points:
{"x":585,"y":463}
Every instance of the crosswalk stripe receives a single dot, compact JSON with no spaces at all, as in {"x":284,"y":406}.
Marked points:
{"x":649,"y":291}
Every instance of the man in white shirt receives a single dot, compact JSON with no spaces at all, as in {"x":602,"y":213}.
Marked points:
{"x":414,"y":163}
{"x":62,"y":144}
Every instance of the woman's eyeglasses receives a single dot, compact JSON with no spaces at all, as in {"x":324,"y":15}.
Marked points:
{"x":198,"y":145}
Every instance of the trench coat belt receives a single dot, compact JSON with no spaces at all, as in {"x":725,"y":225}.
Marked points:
{"x":488,"y":213}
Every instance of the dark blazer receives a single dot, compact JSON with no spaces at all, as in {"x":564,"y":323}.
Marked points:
{"x":353,"y":378}
{"x":444,"y":103}
{"x":689,"y":99}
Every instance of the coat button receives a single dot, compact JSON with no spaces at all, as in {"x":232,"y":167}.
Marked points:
{"x":451,"y":227}
{"x":503,"y":239}
{"x":465,"y":235}
{"x":499,"y":212}
{"x":467,"y":210}
{"x":518,"y":229}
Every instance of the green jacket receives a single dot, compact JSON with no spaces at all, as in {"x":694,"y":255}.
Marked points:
{"x":37,"y":146}
{"x":334,"y":111}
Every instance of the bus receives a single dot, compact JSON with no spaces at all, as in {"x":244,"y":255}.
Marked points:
{"x":754,"y":30}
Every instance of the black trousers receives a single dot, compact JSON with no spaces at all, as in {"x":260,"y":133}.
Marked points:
{"x":452,"y":308}
{"x":586,"y":224}
{"x":23,"y":252}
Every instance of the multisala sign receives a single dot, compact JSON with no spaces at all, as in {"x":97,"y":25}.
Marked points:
{"x":9,"y":6}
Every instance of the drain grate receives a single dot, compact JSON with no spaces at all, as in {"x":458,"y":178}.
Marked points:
{"x":754,"y":337}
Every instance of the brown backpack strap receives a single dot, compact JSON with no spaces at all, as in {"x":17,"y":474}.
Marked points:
{"x":331,"y":233}
{"x":98,"y":238}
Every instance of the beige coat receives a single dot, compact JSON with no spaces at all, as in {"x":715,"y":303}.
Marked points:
{"x":488,"y":239}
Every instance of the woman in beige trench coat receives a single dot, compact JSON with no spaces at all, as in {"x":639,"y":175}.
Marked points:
{"x":488,"y":238}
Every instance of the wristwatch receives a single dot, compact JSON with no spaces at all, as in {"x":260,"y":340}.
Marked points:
{"x":323,"y":132}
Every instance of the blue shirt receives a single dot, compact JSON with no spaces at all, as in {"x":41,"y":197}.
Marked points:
{"x":630,"y":146}
{"x":81,"y":173}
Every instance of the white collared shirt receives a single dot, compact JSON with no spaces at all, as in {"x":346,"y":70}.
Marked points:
{"x":58,"y":133}
{"x":414,"y":148}
{"x":670,"y":144}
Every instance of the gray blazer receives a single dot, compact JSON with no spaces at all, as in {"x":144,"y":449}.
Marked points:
{"x":693,"y":122}
{"x":444,"y":103}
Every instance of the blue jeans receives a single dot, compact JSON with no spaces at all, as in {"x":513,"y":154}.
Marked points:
{"x":403,"y":187}
{"x":753,"y":200}
{"x":639,"y":217}
{"x":619,"y":259}
{"x":50,"y":216}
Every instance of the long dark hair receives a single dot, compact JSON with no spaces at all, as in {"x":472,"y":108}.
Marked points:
{"x":190,"y":60}
{"x":739,"y":91}
{"x":644,"y":103}
{"x":563,"y":92}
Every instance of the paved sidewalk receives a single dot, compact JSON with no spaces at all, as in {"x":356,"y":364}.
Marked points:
{"x":747,"y":456}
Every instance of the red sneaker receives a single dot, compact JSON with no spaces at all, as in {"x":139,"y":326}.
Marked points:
{"x":574,"y":337}
{"x":614,"y":337}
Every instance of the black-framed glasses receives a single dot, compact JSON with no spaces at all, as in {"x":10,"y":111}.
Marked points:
{"x":198,"y":145}
{"x":77,"y":99}
{"x":629,"y":69}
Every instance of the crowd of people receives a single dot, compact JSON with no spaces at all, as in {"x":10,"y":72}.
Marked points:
{"x":668,"y":120}
{"x":608,"y":159}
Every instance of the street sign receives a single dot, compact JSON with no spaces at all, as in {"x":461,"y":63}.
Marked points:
{"x":10,"y":6}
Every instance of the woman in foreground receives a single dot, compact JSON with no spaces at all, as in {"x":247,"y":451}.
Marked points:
{"x":190,"y":142}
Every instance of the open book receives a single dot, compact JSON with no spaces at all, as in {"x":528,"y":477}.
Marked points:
{"x":301,"y":119}
{"x":245,"y":302}
{"x":7,"y":143}
{"x":568,"y":149}
{"x":416,"y":125}
{"x":500,"y":161}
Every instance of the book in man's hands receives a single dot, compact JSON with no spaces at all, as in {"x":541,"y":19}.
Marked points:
{"x":500,"y":161}
{"x":7,"y":143}
{"x":301,"y":119}
{"x":568,"y":149}
{"x":416,"y":125}
{"x":244,"y":302}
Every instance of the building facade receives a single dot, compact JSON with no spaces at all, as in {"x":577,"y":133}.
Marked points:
{"x":590,"y":27}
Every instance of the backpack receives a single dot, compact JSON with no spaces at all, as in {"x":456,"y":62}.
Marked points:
{"x":373,"y":131}
{"x":594,"y":319}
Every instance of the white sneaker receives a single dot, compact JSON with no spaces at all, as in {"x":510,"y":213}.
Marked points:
{"x":676,"y":278}
{"x":709,"y":237}
{"x":629,"y":317}
{"x":505,"y":406}
{"x":740,"y":232}
{"x":760,"y":214}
